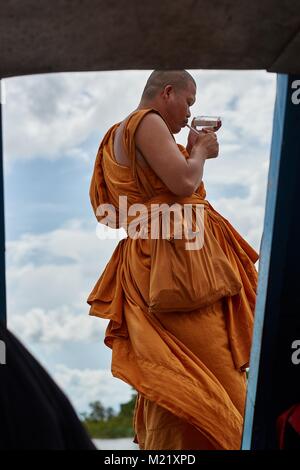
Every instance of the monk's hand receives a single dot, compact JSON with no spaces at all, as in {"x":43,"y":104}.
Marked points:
{"x":207,"y":144}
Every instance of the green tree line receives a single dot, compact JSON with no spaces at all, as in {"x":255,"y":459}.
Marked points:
{"x":105,"y":423}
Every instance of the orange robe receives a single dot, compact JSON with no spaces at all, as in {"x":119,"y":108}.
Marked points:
{"x":188,"y":367}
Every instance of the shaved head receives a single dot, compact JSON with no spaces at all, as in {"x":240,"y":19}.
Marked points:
{"x":159,"y":79}
{"x":171,"y":93}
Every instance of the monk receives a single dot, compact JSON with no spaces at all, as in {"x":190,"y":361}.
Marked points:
{"x":187,"y":360}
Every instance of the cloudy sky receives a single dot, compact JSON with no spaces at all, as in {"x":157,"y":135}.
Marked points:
{"x":52,"y":128}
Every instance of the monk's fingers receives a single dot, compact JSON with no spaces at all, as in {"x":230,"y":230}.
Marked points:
{"x":207,"y":130}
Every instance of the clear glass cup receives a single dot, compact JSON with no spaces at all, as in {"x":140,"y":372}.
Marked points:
{"x":200,"y":122}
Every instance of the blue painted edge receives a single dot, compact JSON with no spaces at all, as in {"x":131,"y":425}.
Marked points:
{"x":2,"y":225}
{"x":281,"y":184}
{"x":265,"y":254}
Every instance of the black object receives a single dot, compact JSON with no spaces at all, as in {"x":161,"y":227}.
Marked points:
{"x":34,"y":412}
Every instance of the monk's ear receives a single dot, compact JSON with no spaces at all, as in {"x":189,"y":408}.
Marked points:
{"x":167,"y":91}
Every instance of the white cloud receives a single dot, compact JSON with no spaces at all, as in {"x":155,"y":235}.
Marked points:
{"x":88,"y":385}
{"x":67,"y":109}
{"x":56,"y":268}
{"x":244,"y":100}
{"x":54,"y":115}
{"x":49,"y":277}
{"x":56,"y":327}
{"x":246,"y":214}
{"x":245,"y":217}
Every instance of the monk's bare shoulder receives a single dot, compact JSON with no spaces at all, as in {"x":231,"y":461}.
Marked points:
{"x":157,"y":145}
{"x":152,"y":122}
{"x":119,"y":150}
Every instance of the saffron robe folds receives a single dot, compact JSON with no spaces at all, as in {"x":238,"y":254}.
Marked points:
{"x":187,"y":366}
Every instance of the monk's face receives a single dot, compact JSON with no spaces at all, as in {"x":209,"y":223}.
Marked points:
{"x":177,"y":106}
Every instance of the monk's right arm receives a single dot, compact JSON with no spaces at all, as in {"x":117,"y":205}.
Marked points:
{"x":195,"y":164}
{"x":154,"y":140}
